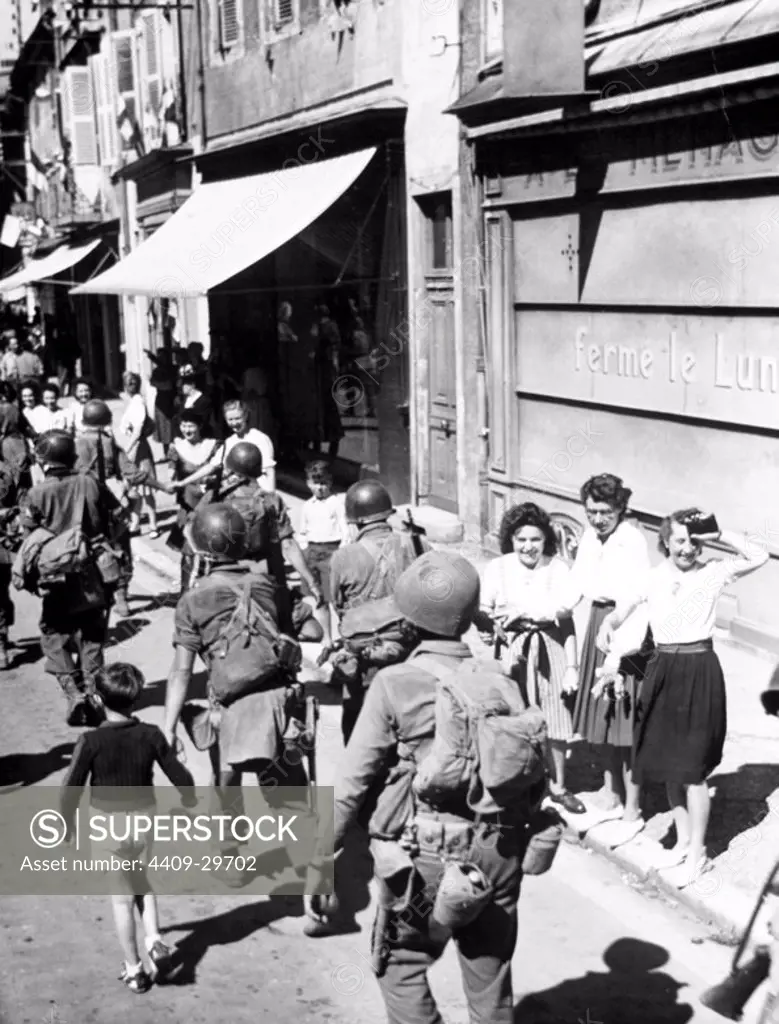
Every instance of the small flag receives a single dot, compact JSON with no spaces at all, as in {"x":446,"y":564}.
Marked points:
{"x":11,"y":233}
{"x":171,"y":133}
{"x":128,"y":128}
{"x":36,"y":173}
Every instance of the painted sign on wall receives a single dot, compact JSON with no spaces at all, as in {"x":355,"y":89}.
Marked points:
{"x":710,"y":368}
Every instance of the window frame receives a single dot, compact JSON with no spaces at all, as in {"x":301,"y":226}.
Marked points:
{"x":488,"y":55}
{"x":272,"y":30}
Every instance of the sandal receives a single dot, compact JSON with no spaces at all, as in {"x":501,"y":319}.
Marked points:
{"x":139,"y":982}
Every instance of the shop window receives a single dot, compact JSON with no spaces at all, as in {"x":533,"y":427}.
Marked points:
{"x":437,"y":211}
{"x":492,"y":29}
{"x":281,"y":18}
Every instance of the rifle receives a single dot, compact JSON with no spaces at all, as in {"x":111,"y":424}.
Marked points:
{"x":416,"y":531}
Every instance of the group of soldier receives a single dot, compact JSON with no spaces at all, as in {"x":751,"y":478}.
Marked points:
{"x":238,"y":534}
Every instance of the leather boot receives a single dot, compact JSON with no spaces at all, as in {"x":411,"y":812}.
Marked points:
{"x":120,"y":602}
{"x":78,"y":703}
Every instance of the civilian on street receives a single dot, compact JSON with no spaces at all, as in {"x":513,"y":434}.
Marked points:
{"x":164,"y":378}
{"x":83,"y":392}
{"x":188,"y":453}
{"x":135,"y":428}
{"x":681,"y":721}
{"x":612,"y":554}
{"x":526,"y":593}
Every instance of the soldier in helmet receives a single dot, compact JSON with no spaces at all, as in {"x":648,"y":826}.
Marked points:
{"x":248,"y":733}
{"x":368,"y":569}
{"x":98,"y":453}
{"x":439,"y":595}
{"x":74,"y":615}
{"x":271,"y":538}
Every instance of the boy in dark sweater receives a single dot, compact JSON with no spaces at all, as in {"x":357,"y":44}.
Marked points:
{"x":122,"y":752}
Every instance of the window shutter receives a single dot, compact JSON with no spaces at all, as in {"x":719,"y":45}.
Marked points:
{"x":284,"y":11}
{"x":78,"y":114}
{"x":105,"y":106}
{"x":124,"y":81}
{"x":150,"y":52}
{"x":229,"y":23}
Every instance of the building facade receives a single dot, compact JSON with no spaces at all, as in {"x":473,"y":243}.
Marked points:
{"x":321,"y":229}
{"x":629,"y":263}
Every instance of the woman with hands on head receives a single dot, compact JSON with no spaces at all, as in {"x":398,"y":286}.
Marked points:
{"x":524,"y":606}
{"x":682,"y":722}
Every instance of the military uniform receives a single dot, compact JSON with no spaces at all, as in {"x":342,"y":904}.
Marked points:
{"x":269,"y":525}
{"x":8,"y":542}
{"x":72,"y":622}
{"x":98,"y":453}
{"x":395,"y":726}
{"x":350,"y":583}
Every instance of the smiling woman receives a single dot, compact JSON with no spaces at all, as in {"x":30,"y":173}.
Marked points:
{"x":681,"y":721}
{"x":523,"y":600}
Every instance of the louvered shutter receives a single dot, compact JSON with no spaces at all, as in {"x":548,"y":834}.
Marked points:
{"x":124,"y":80}
{"x":229,"y":22}
{"x":78,"y":114}
{"x":284,"y":11}
{"x":105,"y":105}
{"x":150,"y":52}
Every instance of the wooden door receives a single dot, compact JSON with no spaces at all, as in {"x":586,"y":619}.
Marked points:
{"x":442,"y":416}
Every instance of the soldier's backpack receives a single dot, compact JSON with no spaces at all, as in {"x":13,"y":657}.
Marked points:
{"x":489,"y":746}
{"x":68,"y":553}
{"x":250,"y":653}
{"x":373,"y":632}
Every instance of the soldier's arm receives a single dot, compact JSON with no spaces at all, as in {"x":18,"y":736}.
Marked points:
{"x":186,"y":643}
{"x":370,"y":746}
{"x":281,"y":532}
{"x":335,"y":584}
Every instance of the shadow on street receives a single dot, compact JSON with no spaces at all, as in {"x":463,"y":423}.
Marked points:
{"x":633,"y":989}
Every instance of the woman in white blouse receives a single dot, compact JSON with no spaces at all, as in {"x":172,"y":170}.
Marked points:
{"x":682,"y":722}
{"x":524,"y":596}
{"x":135,"y":428}
{"x":612,"y":553}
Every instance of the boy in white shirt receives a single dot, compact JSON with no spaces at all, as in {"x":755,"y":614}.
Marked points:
{"x":323,"y":529}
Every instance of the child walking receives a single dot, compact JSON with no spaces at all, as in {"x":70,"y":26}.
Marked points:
{"x":324,"y":529}
{"x":122,"y":752}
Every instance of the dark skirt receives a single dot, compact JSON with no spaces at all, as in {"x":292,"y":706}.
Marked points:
{"x":682,"y":716}
{"x":598,"y":720}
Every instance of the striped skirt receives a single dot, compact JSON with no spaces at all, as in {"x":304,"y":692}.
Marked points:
{"x":537,"y":661}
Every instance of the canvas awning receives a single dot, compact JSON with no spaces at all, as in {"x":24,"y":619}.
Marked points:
{"x":226,"y":226}
{"x":47,"y":267}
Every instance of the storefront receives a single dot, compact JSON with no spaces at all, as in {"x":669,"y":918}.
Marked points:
{"x":632,"y":259}
{"x":303,"y":263}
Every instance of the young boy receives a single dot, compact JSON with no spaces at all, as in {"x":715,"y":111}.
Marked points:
{"x":324,"y":528}
{"x":122,"y":751}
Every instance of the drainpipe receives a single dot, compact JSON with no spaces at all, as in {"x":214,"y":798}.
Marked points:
{"x":201,"y":46}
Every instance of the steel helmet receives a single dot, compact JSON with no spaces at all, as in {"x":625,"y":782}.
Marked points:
{"x":439,"y":593}
{"x":244,"y":459}
{"x":96,"y":414}
{"x":368,"y":502}
{"x":220,"y":531}
{"x":56,"y":448}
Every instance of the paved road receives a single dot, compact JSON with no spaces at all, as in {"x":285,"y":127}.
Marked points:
{"x":591,"y":947}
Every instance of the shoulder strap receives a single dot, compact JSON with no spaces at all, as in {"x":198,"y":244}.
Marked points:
{"x":244,"y":593}
{"x":378,"y":567}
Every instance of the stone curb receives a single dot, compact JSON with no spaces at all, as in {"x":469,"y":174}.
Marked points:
{"x":712,"y":899}
{"x":159,"y":563}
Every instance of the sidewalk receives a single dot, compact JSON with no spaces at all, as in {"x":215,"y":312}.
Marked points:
{"x":743,"y":836}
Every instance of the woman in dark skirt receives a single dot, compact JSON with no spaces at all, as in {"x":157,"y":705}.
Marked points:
{"x":681,"y":721}
{"x":613,"y":553}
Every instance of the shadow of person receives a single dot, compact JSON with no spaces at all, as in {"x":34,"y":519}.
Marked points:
{"x":223,"y":930}
{"x":740,"y":802}
{"x":25,"y":652}
{"x":152,"y":603}
{"x":633,"y":990}
{"x":18,"y":770}
{"x":153,"y":694}
{"x":125,"y":630}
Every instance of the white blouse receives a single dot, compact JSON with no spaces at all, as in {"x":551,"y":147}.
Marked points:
{"x":509,"y":588}
{"x":607,"y":570}
{"x":683,"y":605}
{"x":323,"y":521}
{"x":134,"y":415}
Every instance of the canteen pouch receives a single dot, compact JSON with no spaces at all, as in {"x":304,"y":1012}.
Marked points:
{"x":108,"y":565}
{"x":546,"y":832}
{"x":201,"y":724}
{"x":463,"y":894}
